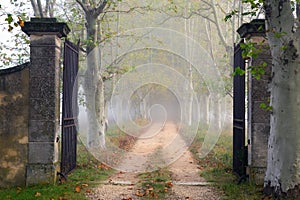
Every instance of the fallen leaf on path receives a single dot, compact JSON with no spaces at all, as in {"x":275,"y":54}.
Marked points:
{"x":88,"y":191}
{"x":37,"y":194}
{"x":77,"y":189}
{"x":19,"y":189}
{"x":169,"y":184}
{"x":139,"y":194}
{"x":103,"y":166}
{"x":154,"y":195}
{"x":84,"y":185}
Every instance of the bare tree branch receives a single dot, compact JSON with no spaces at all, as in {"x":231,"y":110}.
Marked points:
{"x":40,"y":8}
{"x":298,"y":11}
{"x":51,"y":8}
{"x":207,"y":17}
{"x":35,"y":8}
{"x":216,"y":19}
{"x":82,"y":5}
{"x":126,"y":11}
{"x":209,"y":4}
{"x":47,"y":7}
{"x":100,"y":8}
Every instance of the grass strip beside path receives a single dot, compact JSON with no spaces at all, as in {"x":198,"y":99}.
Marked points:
{"x":80,"y":181}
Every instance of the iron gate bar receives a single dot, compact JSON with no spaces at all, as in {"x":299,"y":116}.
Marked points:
{"x":239,"y":149}
{"x":70,"y":109}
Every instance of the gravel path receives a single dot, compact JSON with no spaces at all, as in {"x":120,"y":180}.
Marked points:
{"x":187,"y":183}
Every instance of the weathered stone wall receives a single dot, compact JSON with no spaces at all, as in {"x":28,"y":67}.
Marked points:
{"x":14,"y":113}
{"x":30,"y":109}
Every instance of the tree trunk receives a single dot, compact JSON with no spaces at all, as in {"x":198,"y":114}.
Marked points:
{"x":283,"y":166}
{"x":214,"y":111}
{"x":94,"y":88}
{"x":188,"y":25}
{"x":38,"y":10}
{"x":204,"y":107}
{"x":100,"y":112}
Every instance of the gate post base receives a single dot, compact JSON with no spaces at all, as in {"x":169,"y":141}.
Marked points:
{"x":41,"y":174}
{"x":257,"y":174}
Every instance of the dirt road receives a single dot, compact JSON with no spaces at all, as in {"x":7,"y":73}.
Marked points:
{"x":151,"y":151}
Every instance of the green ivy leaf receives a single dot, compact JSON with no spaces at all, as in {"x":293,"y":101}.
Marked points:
{"x":266,"y":107}
{"x":238,"y":71}
{"x":263,"y":106}
{"x":10,"y":28}
{"x":229,"y":16}
{"x":279,"y":34}
{"x":9,"y":18}
{"x":283,"y":47}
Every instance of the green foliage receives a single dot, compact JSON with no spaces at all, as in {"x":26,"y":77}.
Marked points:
{"x":155,"y":185}
{"x":14,"y":51}
{"x":9,"y":18}
{"x":279,"y":34}
{"x":88,"y":170}
{"x":258,"y":70}
{"x":45,"y":192}
{"x":254,"y":8}
{"x":230,"y":15}
{"x":172,"y":6}
{"x":250,"y":50}
{"x":253,"y":3}
{"x":216,"y":167}
{"x":266,"y":107}
{"x":235,"y":12}
{"x":238,"y":71}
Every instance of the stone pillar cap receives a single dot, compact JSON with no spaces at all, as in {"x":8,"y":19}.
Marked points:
{"x":45,"y":26}
{"x":255,"y":28}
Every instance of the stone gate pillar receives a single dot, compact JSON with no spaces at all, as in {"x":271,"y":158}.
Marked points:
{"x":44,"y":99}
{"x":258,"y":94}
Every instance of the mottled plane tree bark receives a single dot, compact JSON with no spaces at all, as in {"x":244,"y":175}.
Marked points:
{"x":93,"y":84}
{"x":283,"y":166}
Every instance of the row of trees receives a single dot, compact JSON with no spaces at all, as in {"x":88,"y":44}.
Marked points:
{"x":96,"y":22}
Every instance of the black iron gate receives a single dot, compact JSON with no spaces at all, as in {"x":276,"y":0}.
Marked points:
{"x":70,"y":110}
{"x":239,"y":149}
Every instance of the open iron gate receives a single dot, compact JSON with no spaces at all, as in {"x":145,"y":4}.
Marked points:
{"x":239,"y":149}
{"x":69,"y":108}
